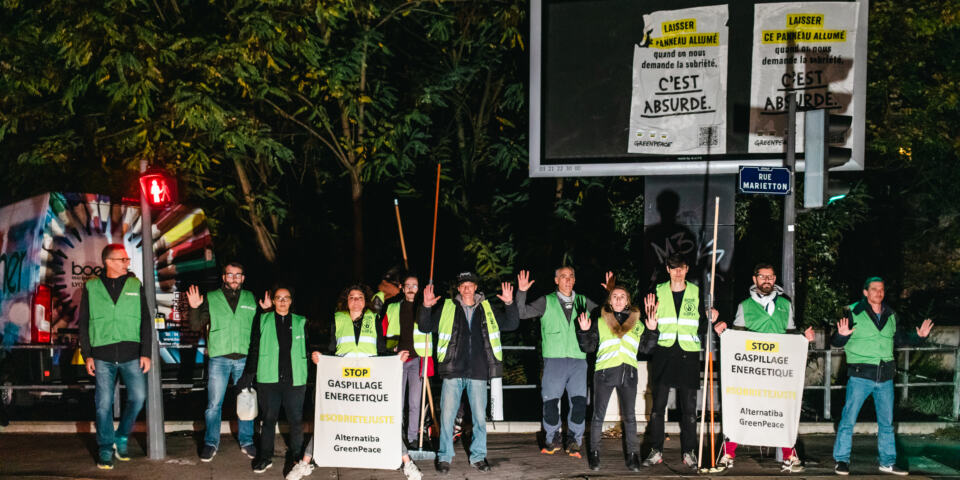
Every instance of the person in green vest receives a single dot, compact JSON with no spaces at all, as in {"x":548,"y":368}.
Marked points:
{"x":868,"y":333}
{"x":675,"y":362}
{"x":617,"y":337}
{"x":765,"y":311}
{"x":356,"y":333}
{"x":564,"y":364}
{"x":277,"y":360}
{"x":226,"y":316}
{"x":469,"y":353}
{"x":115,"y":340}
{"x":403,"y":335}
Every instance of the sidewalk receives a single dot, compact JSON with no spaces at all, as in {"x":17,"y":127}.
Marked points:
{"x":513,"y":456}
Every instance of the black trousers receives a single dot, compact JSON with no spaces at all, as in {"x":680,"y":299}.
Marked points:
{"x":687,"y":404}
{"x":272,"y":396}
{"x":623,"y":379}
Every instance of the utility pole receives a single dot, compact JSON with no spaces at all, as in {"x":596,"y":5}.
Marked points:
{"x":787,"y":273}
{"x":156,"y":442}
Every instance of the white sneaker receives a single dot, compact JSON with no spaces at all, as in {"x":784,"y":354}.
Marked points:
{"x":792,"y":465}
{"x":726,"y":461}
{"x":300,"y":470}
{"x":411,"y":470}
{"x":690,"y":460}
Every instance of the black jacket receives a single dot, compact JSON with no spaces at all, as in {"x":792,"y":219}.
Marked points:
{"x":469,"y":354}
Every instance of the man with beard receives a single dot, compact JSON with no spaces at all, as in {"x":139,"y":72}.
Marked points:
{"x":766,"y":311}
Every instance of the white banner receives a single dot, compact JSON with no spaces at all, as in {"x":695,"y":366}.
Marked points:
{"x":762,"y":380}
{"x":358,"y":412}
{"x":678,"y":105}
{"x":805,"y":49}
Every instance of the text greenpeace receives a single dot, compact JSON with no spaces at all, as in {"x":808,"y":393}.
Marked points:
{"x":762,"y":379}
{"x":358,"y":416}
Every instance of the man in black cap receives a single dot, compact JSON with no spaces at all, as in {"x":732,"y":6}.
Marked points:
{"x":469,"y":353}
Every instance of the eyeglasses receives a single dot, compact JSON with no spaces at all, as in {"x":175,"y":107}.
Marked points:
{"x":124,"y":260}
{"x":411,"y":286}
{"x":282,"y":299}
{"x":233,"y":275}
{"x":766,"y":277}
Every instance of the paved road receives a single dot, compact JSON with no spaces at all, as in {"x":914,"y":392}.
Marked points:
{"x":513,"y":456}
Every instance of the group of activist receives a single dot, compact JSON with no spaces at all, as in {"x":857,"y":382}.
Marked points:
{"x":261,"y":343}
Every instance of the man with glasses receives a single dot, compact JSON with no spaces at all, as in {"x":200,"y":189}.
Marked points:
{"x":115,"y":341}
{"x":766,"y":311}
{"x":226,"y":316}
{"x":404,"y":335}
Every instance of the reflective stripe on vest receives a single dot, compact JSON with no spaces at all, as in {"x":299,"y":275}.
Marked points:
{"x":348,"y":344}
{"x":230,"y":329}
{"x":421,"y":341}
{"x":445,"y":329}
{"x":113,"y":322}
{"x":615,"y":351}
{"x":680,"y":327}
{"x":268,"y":362}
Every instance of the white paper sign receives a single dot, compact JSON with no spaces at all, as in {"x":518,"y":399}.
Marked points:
{"x":678,"y":105}
{"x":761,"y":375}
{"x":805,"y":49}
{"x":359,"y":412}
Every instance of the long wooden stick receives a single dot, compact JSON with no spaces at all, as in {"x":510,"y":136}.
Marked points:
{"x":436,"y":205}
{"x":423,"y":393}
{"x":707,"y":370}
{"x":433,"y":414}
{"x":403,"y":245}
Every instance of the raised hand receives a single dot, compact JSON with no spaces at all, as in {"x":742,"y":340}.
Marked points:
{"x":584,"y":321}
{"x":924,"y":329}
{"x":523,"y":281}
{"x":808,"y":333}
{"x":651,"y":321}
{"x":267,"y":302}
{"x":194,"y":297}
{"x":608,"y":281}
{"x":719,"y":327}
{"x":429,"y":299}
{"x":843,"y":327}
{"x":506,"y":295}
{"x":651,"y":305}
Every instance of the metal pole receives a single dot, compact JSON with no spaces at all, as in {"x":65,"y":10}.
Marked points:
{"x":906,"y":375}
{"x":156,"y":443}
{"x":956,"y":384}
{"x":789,"y":204}
{"x":827,"y":379}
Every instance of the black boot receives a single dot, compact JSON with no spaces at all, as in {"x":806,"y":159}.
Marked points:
{"x":633,"y":462}
{"x":593,"y":459}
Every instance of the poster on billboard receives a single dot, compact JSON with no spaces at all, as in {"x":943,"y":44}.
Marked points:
{"x":678,"y":105}
{"x":805,"y":50}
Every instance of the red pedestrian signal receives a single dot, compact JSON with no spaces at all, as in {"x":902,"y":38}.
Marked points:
{"x":158,"y":187}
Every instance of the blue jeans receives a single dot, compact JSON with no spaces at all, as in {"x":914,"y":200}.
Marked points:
{"x":106,"y":378}
{"x":858,"y":389}
{"x":476,"y":390}
{"x":219,"y":372}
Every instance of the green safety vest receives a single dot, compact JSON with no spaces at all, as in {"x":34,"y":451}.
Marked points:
{"x":348,"y":345}
{"x":268,"y":364}
{"x":113,"y":322}
{"x":445,"y":330}
{"x":615,"y":351}
{"x":421,"y":341}
{"x":559,"y":336}
{"x":867,"y":344}
{"x":756,"y":318}
{"x":230,"y":329}
{"x":682,"y":327}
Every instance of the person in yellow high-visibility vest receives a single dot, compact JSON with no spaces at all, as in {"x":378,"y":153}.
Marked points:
{"x":675,"y":362}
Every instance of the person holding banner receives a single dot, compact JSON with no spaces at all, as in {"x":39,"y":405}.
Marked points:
{"x":400,"y":318}
{"x":226,"y":316}
{"x":564,"y":363}
{"x":616,"y":337}
{"x":675,"y":362}
{"x":357,"y":333}
{"x":868,"y":333}
{"x":468,"y":354}
{"x":766,"y":311}
{"x":277,"y":359}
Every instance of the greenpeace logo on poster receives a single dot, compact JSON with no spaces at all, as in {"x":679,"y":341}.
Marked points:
{"x":806,"y":50}
{"x":678,"y":102}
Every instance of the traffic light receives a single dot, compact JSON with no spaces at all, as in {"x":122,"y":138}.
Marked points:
{"x":158,"y":187}
{"x":820,"y":130}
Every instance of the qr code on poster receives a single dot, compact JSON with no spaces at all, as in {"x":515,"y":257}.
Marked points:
{"x":709,"y":137}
